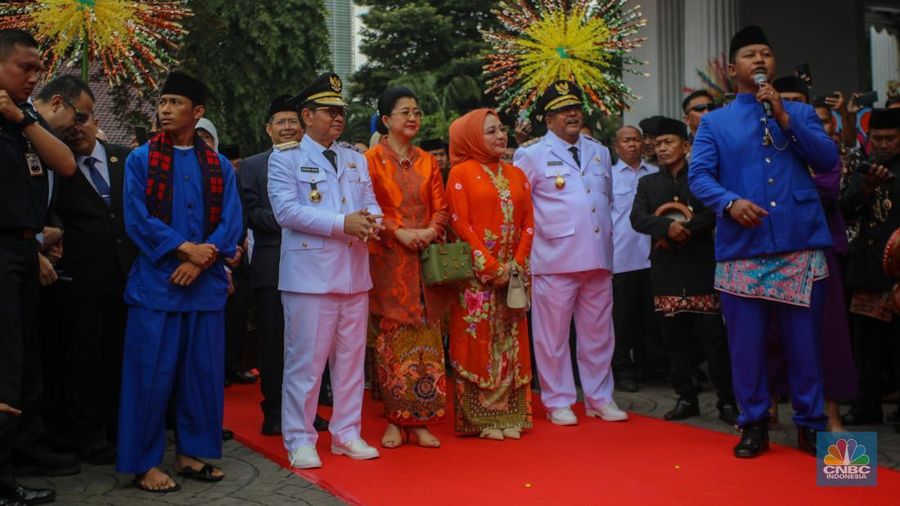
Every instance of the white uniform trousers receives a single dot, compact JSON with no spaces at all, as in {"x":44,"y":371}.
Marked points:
{"x":555,"y":298}
{"x":320,"y":328}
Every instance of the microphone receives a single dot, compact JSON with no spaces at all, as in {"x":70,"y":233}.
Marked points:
{"x":759,"y":80}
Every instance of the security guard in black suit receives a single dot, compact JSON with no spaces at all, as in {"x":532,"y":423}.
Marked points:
{"x":97,"y":258}
{"x":23,"y":209}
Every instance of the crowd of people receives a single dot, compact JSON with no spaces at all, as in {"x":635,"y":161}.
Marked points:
{"x":742,"y":243}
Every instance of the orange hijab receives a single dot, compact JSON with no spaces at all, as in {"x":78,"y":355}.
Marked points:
{"x":467,"y":138}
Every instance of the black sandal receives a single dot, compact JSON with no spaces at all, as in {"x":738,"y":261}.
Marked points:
{"x":137,"y":483}
{"x":204,"y":474}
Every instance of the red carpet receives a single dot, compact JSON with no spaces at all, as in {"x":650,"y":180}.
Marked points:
{"x":644,"y":460}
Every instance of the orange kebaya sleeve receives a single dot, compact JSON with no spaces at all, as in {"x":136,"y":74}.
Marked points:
{"x":440,"y":210}
{"x":484,"y":263}
{"x":526,"y":235}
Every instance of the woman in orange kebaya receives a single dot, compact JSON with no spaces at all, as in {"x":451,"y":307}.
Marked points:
{"x":490,"y":206}
{"x":405,"y":315}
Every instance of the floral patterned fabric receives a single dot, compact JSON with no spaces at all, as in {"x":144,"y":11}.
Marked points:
{"x":671,"y":305}
{"x":491,"y":210}
{"x":787,"y":277}
{"x":410,"y":372}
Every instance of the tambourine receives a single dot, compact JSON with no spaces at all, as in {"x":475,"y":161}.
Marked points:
{"x":675,"y":211}
{"x":890,"y":259}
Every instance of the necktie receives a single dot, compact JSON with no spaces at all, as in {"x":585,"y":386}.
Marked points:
{"x":574,"y":152}
{"x":97,"y":178}
{"x":331,"y":156}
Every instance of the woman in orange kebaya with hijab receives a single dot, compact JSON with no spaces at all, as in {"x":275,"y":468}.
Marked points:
{"x":490,"y":206}
{"x":409,"y":357}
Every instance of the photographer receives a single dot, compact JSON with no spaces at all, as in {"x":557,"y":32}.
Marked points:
{"x":870,"y":198}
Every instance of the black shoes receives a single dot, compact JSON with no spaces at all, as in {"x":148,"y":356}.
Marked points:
{"x":806,"y":439}
{"x":17,"y":495}
{"x":754,"y":440}
{"x":320,"y":424}
{"x":40,"y":461}
{"x":728,"y":413}
{"x":626,"y":385}
{"x":241,"y":377}
{"x":683,"y":409}
{"x":271,"y":427}
{"x":854,"y":417}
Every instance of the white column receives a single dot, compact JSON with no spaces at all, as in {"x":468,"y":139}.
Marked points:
{"x":708,"y":27}
{"x":885,"y":61}
{"x":671,"y":56}
{"x":646,"y":88}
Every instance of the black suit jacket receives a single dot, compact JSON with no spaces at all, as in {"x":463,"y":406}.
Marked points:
{"x":254,"y":177}
{"x":686,"y":269}
{"x":97,"y":254}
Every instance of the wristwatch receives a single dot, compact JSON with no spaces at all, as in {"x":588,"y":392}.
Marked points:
{"x":29,"y":117}
{"x":728,"y":206}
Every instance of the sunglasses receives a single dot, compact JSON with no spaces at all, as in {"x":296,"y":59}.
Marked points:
{"x":703,"y":107}
{"x":333,"y":111}
{"x":80,"y":117}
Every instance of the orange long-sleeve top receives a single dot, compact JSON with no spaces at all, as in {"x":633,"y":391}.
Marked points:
{"x":411,"y":195}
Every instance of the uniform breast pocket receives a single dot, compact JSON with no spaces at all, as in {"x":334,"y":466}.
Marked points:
{"x":557,"y":179}
{"x":314,"y":187}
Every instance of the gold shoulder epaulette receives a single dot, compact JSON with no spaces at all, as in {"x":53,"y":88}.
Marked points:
{"x":284,"y":146}
{"x":529,"y":142}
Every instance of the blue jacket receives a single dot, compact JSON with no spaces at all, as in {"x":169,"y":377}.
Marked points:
{"x":729,"y":162}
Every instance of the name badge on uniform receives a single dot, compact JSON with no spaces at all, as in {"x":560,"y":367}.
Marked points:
{"x":34,"y":164}
{"x":351,"y":165}
{"x":553,"y":163}
{"x":313,"y":170}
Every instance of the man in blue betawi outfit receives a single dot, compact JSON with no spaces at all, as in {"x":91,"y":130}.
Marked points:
{"x":751,"y":164}
{"x":183,"y":212}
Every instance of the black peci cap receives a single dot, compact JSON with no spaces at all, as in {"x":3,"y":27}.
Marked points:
{"x":179,"y":83}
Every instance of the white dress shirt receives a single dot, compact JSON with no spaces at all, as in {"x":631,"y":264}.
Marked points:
{"x":631,"y":250}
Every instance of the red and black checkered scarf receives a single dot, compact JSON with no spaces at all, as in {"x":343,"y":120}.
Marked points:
{"x":159,"y":180}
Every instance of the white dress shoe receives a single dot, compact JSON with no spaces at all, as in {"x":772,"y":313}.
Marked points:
{"x":304,"y":457}
{"x":609,"y":412}
{"x":562,"y":416}
{"x":356,"y":449}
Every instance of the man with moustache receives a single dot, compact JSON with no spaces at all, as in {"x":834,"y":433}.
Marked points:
{"x":770,"y":233}
{"x":571,"y":258}
{"x":635,"y":323}
{"x":322,"y":197}
{"x":682,"y":272}
{"x":284,"y":129}
{"x":98,"y":258}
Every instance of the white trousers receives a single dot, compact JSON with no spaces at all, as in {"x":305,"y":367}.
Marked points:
{"x":555,"y":299}
{"x":318,"y":329}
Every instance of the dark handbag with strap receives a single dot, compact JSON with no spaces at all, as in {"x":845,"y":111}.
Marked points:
{"x":444,"y":263}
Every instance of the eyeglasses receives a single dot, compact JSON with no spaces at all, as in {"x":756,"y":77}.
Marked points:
{"x":409,"y":113}
{"x":80,"y":117}
{"x":333,"y":111}
{"x":703,"y":107}
{"x":286,"y":122}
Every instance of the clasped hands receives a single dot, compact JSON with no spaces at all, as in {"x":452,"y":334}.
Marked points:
{"x":195,"y":258}
{"x":363,"y":225}
{"x":415,"y":238}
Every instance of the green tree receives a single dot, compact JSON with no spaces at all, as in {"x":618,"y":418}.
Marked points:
{"x":248,"y":53}
{"x":432,"y":46}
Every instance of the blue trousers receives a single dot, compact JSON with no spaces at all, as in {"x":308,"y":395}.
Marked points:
{"x":747,"y":320}
{"x":171,"y":355}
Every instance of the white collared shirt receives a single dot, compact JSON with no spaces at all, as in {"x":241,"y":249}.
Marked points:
{"x":102,"y":164}
{"x":631,"y":250}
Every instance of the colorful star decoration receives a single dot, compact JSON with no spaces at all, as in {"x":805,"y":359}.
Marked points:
{"x":131,"y":39}
{"x":715,"y":79}
{"x":587,"y":41}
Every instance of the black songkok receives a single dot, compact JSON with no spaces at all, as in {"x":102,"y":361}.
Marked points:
{"x":179,"y":83}
{"x":746,"y":36}
{"x":650,"y":126}
{"x":791,"y":84}
{"x":280,"y":104}
{"x":669,"y":126}
{"x":884,"y":118}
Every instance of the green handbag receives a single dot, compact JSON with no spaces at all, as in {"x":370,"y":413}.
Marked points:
{"x":446,"y":263}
